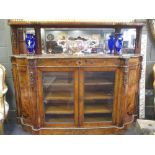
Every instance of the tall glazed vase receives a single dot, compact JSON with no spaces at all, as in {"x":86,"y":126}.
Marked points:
{"x":111,"y":43}
{"x":30,"y":43}
{"x":118,"y":43}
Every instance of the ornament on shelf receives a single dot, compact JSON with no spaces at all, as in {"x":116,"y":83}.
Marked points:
{"x":30,"y":43}
{"x":111,"y":43}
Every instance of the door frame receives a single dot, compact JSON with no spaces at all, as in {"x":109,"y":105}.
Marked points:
{"x":42,"y":122}
{"x":81,"y":97}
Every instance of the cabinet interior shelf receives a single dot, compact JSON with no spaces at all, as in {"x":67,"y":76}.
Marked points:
{"x":59,"y":110}
{"x":98,"y":109}
{"x":61,"y":82}
{"x":59,"y":96}
{"x":70,"y":118}
{"x":69,"y":96}
{"x":69,"y":110}
{"x":98,"y":82}
{"x":60,"y":119}
{"x":97,"y":95}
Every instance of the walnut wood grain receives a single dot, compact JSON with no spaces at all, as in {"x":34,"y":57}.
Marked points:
{"x":75,"y":23}
{"x":30,"y":87}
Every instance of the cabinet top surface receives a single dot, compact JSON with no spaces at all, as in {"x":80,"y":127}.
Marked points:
{"x":113,"y":23}
{"x":65,"y":56}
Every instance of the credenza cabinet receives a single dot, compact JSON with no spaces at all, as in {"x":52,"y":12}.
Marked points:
{"x":71,"y":84}
{"x":62,"y":94}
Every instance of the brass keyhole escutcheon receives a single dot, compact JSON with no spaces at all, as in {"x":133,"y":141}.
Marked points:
{"x":79,"y":62}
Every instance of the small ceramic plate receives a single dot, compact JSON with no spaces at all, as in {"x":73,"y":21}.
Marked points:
{"x":50,"y":37}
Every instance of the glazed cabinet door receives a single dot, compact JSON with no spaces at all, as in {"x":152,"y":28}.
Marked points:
{"x":58,"y":92}
{"x":97,"y":96}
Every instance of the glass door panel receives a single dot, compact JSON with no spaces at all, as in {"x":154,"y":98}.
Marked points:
{"x":58,"y":97}
{"x":98,"y":95}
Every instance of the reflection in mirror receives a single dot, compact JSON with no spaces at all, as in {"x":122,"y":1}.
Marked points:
{"x":129,"y":37}
{"x":84,"y":40}
{"x":81,"y":40}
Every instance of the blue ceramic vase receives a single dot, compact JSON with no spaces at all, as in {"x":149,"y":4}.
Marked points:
{"x":30,"y":43}
{"x":111,"y":43}
{"x":118,"y":42}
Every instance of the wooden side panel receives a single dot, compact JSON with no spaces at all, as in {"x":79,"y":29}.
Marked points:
{"x":132,"y":93}
{"x":26,"y":107}
{"x":17,"y":90}
{"x":118,"y":99}
{"x":33,"y":89}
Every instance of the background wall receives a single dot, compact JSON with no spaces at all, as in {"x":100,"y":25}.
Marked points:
{"x":6,"y":51}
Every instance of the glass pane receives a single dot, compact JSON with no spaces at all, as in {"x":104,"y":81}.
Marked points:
{"x":98,"y":96}
{"x":72,"y":40}
{"x":58,"y":93}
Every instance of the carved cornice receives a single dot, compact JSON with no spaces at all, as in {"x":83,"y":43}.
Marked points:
{"x":75,"y":22}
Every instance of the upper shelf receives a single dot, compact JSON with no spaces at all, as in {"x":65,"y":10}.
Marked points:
{"x":76,"y":23}
{"x":56,"y":56}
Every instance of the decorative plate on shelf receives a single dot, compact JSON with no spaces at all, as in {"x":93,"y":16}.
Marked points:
{"x":50,"y":37}
{"x":152,"y":27}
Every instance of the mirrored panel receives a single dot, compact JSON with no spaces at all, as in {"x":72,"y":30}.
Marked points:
{"x":71,"y":40}
{"x":129,"y":37}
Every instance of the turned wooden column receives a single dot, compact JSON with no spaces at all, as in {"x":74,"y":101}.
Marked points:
{"x":117,"y":30}
{"x":38,"y":40}
{"x":14,"y":39}
{"x":21,"y":41}
{"x":138,"y":40}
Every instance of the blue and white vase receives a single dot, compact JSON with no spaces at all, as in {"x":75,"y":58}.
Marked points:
{"x":111,"y":43}
{"x":30,"y":43}
{"x":118,"y":43}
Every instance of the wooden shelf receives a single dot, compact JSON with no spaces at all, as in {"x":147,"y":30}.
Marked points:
{"x":98,"y":82}
{"x":69,"y":97}
{"x":65,"y":82}
{"x":58,"y":82}
{"x":63,"y":119}
{"x":70,"y":83}
{"x":59,"y":96}
{"x":98,"y":109}
{"x":97,"y":95}
{"x":59,"y":110}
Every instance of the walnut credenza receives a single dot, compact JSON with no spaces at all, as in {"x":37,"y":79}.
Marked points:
{"x":60,"y":94}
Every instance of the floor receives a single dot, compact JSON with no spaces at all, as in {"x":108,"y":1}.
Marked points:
{"x":12,"y":128}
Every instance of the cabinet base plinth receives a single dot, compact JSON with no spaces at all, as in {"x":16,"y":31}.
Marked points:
{"x":78,"y":131}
